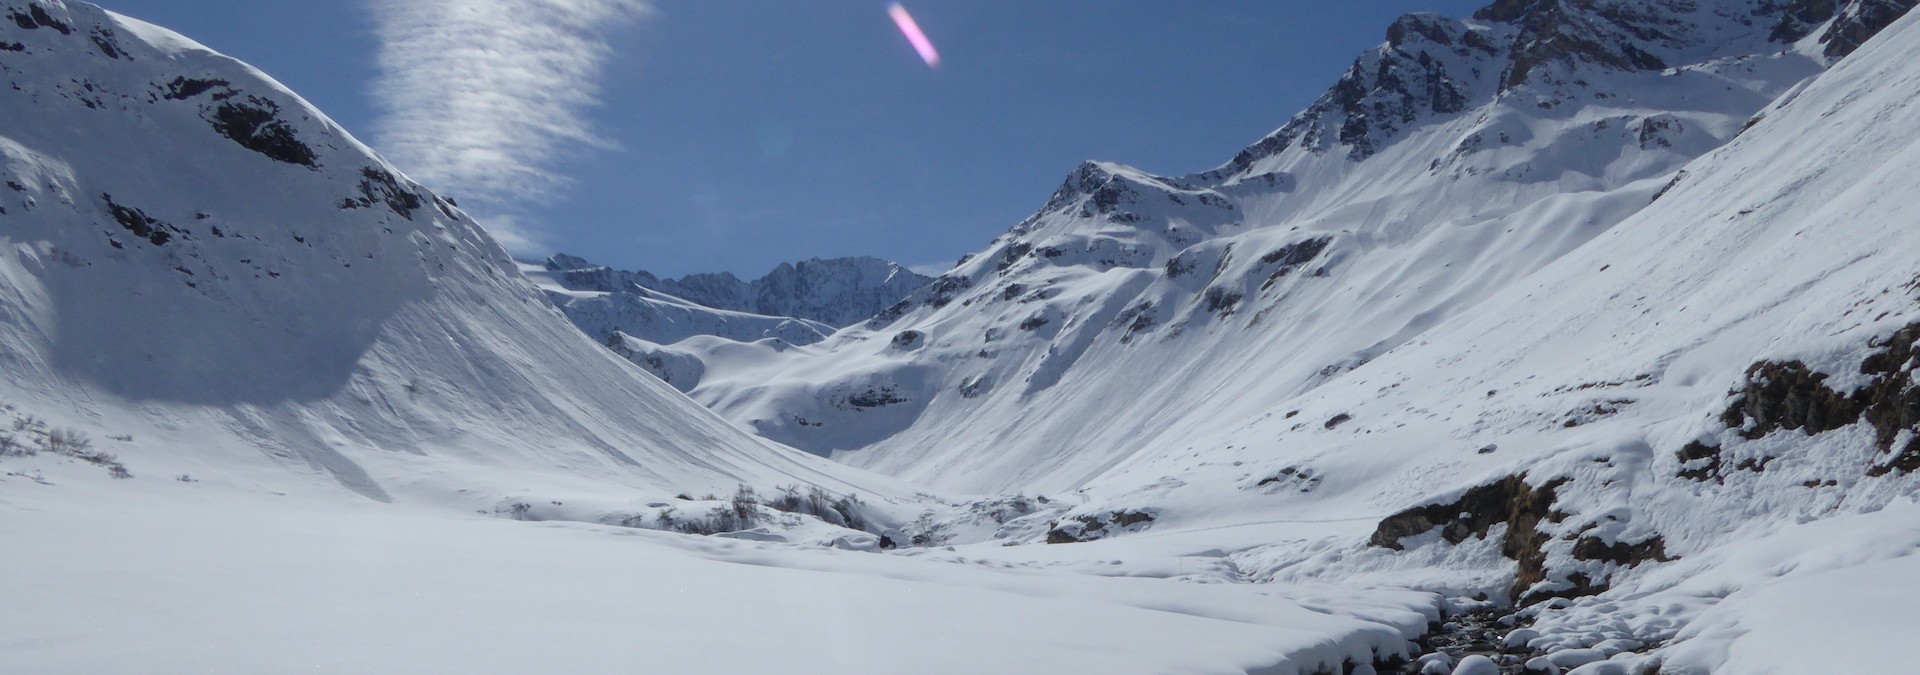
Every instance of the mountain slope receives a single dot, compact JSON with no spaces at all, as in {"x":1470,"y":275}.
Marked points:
{"x":1713,"y":399}
{"x":196,"y":257}
{"x":1446,"y":165}
{"x":1670,"y":416}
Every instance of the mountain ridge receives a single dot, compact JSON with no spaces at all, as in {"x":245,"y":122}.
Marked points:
{"x":832,"y":291}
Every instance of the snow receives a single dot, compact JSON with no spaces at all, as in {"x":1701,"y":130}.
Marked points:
{"x":1476,"y":665}
{"x":352,"y":420}
{"x":233,"y":582}
{"x":333,"y":318}
{"x":361,"y":441}
{"x":1071,"y":346}
{"x":1574,"y":318}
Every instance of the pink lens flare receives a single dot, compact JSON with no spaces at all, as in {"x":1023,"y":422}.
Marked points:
{"x":914,"y":35}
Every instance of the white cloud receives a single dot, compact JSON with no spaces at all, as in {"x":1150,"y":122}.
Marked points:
{"x":480,"y":99}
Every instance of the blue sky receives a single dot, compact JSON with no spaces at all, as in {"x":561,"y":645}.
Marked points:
{"x":735,"y":134}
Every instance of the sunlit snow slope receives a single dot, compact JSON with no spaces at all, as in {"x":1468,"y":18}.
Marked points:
{"x":1529,"y":350}
{"x":1134,"y":311}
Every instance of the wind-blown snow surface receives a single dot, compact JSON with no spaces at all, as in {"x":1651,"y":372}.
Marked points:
{"x":329,"y":385}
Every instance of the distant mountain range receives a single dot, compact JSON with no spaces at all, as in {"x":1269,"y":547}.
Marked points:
{"x":639,"y":315}
{"x":836,"y":292}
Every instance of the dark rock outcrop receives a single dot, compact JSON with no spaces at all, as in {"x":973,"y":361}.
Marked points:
{"x":1511,"y":501}
{"x":1789,"y":396}
{"x":1092,"y":527}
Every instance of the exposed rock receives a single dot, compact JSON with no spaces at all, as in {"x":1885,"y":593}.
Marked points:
{"x":36,"y":17}
{"x":1511,"y":500}
{"x":108,"y":43}
{"x":1620,"y":553}
{"x":1301,"y":479}
{"x":379,"y":186}
{"x":1859,"y":21}
{"x":874,"y":397}
{"x":1853,"y":22}
{"x":1137,"y":319}
{"x":1802,"y":17}
{"x":908,"y":339}
{"x":255,"y":124}
{"x":1221,"y":301}
{"x":140,"y":224}
{"x":183,"y":88}
{"x":1091,"y":527}
{"x":1605,"y":34}
{"x":1700,"y":462}
{"x":1787,"y":396}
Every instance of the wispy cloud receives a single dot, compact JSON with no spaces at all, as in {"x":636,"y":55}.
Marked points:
{"x":482,"y":98}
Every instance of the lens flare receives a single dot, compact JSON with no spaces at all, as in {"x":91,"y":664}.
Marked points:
{"x":914,"y":35}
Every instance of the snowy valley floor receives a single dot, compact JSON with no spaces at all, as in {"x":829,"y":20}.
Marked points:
{"x":161,"y":576}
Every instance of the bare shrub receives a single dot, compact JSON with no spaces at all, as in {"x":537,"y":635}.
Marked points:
{"x":65,"y":441}
{"x":841,"y":510}
{"x":29,"y":424}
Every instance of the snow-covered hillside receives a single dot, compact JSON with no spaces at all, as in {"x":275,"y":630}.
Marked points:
{"x":196,"y":257}
{"x":1447,"y":165}
{"x":1604,"y":308}
{"x":1703,"y":418}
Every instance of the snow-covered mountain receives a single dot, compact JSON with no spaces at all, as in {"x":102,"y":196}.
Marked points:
{"x":835,"y":292}
{"x":645,"y":318}
{"x":313,"y":372}
{"x":1447,"y":165}
{"x":1587,"y":326}
{"x":1594,"y":300}
{"x":196,"y":257}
